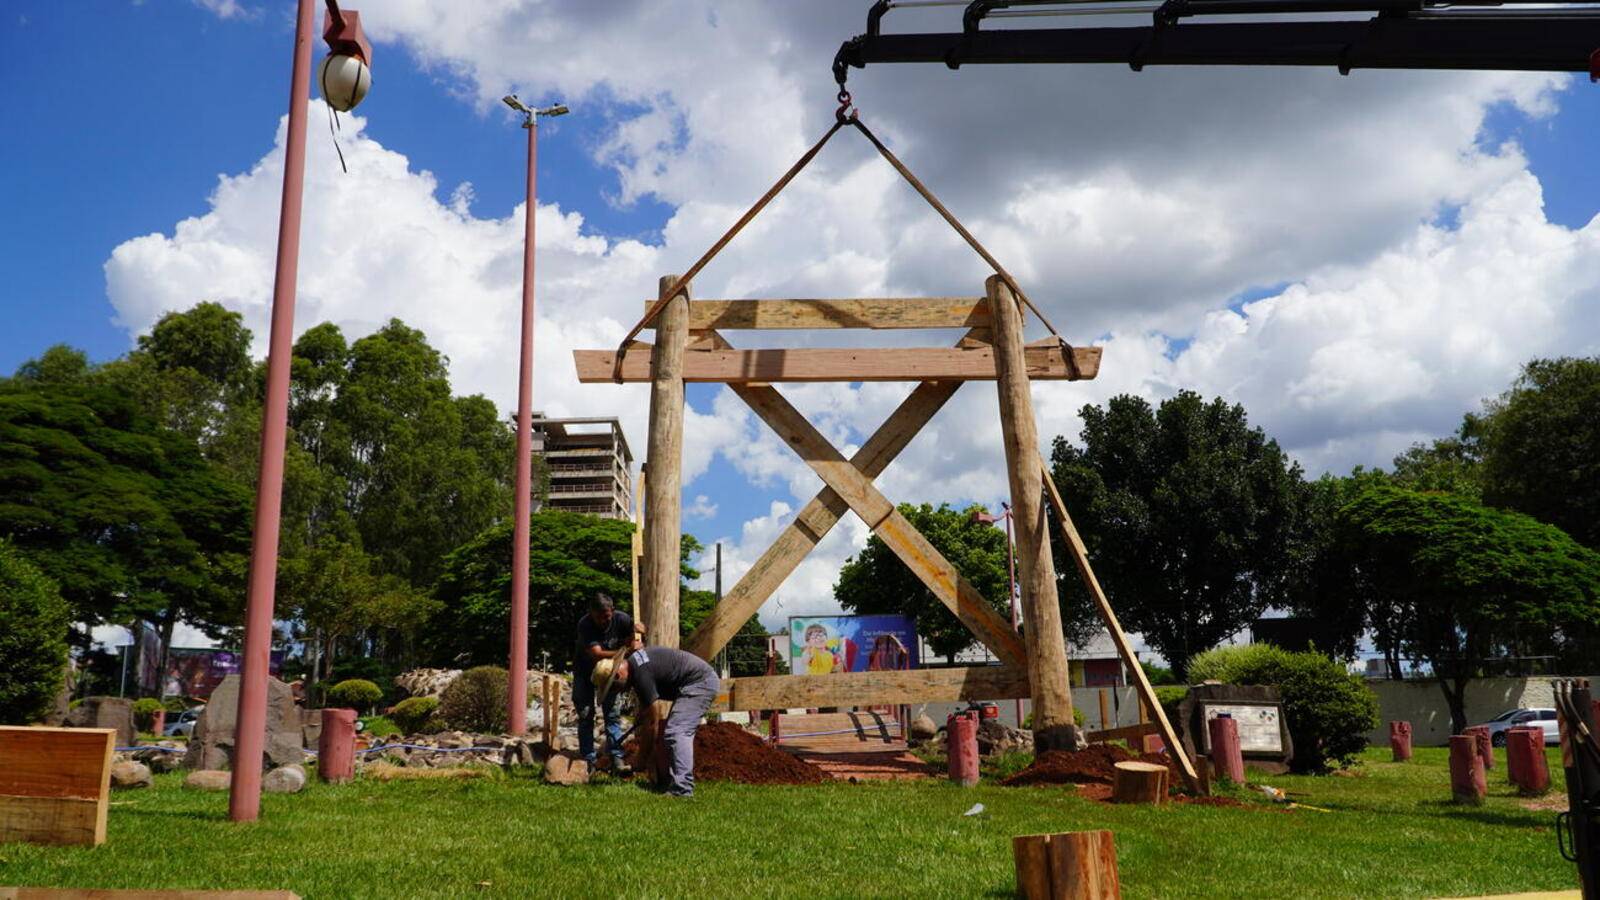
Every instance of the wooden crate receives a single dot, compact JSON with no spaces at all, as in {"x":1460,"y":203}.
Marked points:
{"x":55,"y":784}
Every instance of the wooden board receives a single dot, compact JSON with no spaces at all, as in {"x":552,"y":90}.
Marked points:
{"x":844,"y":732}
{"x":823,"y":364}
{"x":1126,"y":732}
{"x":874,"y":688}
{"x":55,"y":784}
{"x":877,"y":312}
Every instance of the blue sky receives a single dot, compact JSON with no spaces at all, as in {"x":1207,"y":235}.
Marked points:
{"x":1368,"y":193}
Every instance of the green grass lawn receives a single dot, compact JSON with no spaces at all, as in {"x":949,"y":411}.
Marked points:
{"x":1390,"y":832}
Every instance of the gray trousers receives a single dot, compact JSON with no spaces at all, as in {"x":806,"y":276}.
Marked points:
{"x":678,"y":732}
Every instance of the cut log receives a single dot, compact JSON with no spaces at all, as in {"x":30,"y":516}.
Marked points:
{"x":832,"y":364}
{"x":1072,"y":865}
{"x":874,"y":312}
{"x":1139,"y":782}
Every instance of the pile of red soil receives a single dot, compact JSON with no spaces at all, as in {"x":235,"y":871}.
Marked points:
{"x":724,"y":751}
{"x":1093,"y":765}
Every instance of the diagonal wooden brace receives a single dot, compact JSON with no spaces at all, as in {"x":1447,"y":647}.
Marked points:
{"x":857,"y":490}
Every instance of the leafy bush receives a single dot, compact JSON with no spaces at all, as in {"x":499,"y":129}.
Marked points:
{"x":379,"y":726}
{"x":415,"y":715}
{"x":1159,"y":675}
{"x":144,"y":713}
{"x":175,"y":704}
{"x":355,"y":693}
{"x":476,"y":700}
{"x":33,"y":639}
{"x":1327,"y":709}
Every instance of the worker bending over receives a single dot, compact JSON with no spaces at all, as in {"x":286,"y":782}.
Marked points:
{"x":662,"y":673}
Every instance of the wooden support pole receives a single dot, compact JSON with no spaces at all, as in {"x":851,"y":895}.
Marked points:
{"x":1105,"y":711}
{"x":1073,"y":865}
{"x":663,"y":531}
{"x":1053,"y":727}
{"x":637,"y":553}
{"x":1147,"y":694}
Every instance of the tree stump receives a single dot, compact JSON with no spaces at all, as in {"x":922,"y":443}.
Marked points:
{"x":1139,"y":782}
{"x":1467,"y":784}
{"x":1525,"y":760}
{"x":1072,"y":865}
{"x":336,"y":746}
{"x":1400,"y":740}
{"x":1485,"y":746}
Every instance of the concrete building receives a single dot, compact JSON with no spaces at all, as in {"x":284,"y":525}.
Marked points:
{"x":589,"y":465}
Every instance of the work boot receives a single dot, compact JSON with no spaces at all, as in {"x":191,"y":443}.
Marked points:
{"x":620,"y":768}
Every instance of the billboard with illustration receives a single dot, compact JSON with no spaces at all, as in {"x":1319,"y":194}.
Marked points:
{"x":196,"y":673}
{"x":823,"y":645}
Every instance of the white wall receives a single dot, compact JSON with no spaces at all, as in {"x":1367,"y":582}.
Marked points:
{"x":1422,"y":703}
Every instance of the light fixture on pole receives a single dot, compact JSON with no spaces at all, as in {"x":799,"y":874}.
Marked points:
{"x":522,"y":501}
{"x":344,"y":38}
{"x":979,"y":515}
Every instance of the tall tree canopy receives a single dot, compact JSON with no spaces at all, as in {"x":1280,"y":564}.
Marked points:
{"x":1190,"y":516}
{"x":1470,"y":583}
{"x":1543,"y":446}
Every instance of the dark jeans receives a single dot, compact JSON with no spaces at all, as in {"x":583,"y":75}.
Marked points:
{"x":583,"y":699}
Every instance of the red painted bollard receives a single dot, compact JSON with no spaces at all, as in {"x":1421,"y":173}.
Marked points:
{"x":1400,"y":740}
{"x":336,"y":749}
{"x":1525,"y":760}
{"x":1467,"y":782}
{"x":1153,"y":743}
{"x":158,"y":722}
{"x":1480,"y":733}
{"x":961,"y":744}
{"x":1225,"y":755}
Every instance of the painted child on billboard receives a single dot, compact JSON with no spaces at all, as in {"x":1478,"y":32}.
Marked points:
{"x":818,"y":658}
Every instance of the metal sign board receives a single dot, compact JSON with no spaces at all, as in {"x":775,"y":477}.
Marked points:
{"x":1260,"y":725}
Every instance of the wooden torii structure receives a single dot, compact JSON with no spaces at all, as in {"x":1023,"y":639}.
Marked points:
{"x":690,"y":347}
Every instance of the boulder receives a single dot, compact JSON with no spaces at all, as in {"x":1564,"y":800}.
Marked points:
{"x":566,"y":770}
{"x":208,"y":780}
{"x":996,"y":737}
{"x":130,"y":775}
{"x":105,"y":712}
{"x":923,"y":728}
{"x":284,"y":780}
{"x":159,"y":757}
{"x":211,"y":746}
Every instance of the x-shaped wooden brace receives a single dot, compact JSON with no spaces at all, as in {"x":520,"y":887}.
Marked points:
{"x":849,"y":486}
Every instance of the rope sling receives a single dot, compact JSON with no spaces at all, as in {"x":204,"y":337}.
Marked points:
{"x":845,"y":115}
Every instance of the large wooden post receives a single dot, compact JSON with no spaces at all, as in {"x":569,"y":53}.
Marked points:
{"x":663,"y":508}
{"x":1047,"y":646}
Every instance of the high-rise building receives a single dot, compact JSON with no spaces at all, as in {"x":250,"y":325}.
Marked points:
{"x":589,"y":465}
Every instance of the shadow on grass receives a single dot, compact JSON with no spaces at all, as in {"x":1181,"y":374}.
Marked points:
{"x":1525,"y":820}
{"x":133,"y":812}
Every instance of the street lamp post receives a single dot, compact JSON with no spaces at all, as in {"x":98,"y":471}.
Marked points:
{"x":1011,"y":570}
{"x":517,"y":695}
{"x":343,"y":34}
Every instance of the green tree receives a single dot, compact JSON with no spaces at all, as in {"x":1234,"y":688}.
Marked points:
{"x":33,"y":639}
{"x":1472,"y":583}
{"x":1451,"y":464}
{"x":1190,"y":515}
{"x":58,"y":365}
{"x":1542,"y":453}
{"x":875,"y":581}
{"x":746,"y":651}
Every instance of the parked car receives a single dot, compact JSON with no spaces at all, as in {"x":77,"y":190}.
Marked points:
{"x":1536,"y":717}
{"x":182,"y":724}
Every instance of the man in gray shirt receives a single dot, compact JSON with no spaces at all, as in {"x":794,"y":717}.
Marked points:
{"x":662,"y":673}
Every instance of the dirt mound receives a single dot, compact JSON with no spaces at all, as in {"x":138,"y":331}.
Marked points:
{"x":724,"y":751}
{"x":1093,"y":765}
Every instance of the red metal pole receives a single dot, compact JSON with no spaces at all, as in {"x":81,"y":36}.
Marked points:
{"x":517,"y":702}
{"x":244,"y":800}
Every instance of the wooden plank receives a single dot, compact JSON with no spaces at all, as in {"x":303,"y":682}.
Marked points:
{"x":824,"y":364}
{"x":886,"y":522}
{"x":874,"y":688}
{"x":814,"y":521}
{"x":55,"y":762}
{"x":1125,"y":733}
{"x":52,"y":820}
{"x":873,"y":312}
{"x":1053,"y":727}
{"x":659,"y":575}
{"x":1147,"y":694}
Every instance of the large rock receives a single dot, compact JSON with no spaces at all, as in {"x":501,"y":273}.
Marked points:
{"x":209,"y":780}
{"x":106,"y":712}
{"x":284,"y":780}
{"x":130,"y":775}
{"x":159,"y":758}
{"x":1192,"y":723}
{"x":211,"y":746}
{"x":566,"y":770}
{"x":923,"y":728}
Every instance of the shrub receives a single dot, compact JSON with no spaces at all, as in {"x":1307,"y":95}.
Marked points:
{"x":1327,"y":709}
{"x":476,"y":700}
{"x":379,"y":726}
{"x":144,"y":713}
{"x":33,"y":639}
{"x":175,"y":704}
{"x":354,"y":693}
{"x":416,"y":715}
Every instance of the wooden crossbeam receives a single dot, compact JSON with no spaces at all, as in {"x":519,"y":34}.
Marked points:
{"x":835,"y":364}
{"x":1126,"y":732}
{"x":1080,"y":556}
{"x":874,"y":688}
{"x":876,"y":312}
{"x":886,"y":522}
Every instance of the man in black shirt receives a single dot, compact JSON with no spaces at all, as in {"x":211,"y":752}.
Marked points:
{"x":662,"y":673}
{"x":601,"y":632}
